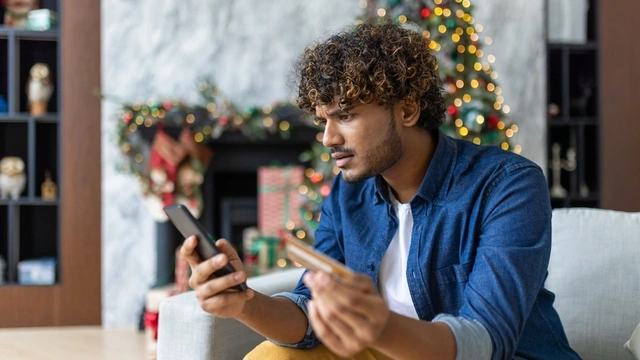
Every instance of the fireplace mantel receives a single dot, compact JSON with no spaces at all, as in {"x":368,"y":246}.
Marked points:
{"x":230,"y":187}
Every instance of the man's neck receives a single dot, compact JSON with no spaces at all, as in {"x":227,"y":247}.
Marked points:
{"x":406,"y":176}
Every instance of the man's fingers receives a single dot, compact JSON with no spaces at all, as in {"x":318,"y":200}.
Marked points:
{"x":226,"y":248}
{"x":358,"y":300}
{"x":324,"y":332}
{"x":188,"y":251}
{"x":218,"y":285}
{"x":364,"y":283}
{"x":216,"y":303}
{"x":203,"y":270}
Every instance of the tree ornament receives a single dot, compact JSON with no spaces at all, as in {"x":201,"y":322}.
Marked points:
{"x":425,"y":12}
{"x":493,"y":120}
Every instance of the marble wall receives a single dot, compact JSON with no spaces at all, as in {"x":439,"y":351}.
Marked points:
{"x":160,"y":48}
{"x":517,"y":28}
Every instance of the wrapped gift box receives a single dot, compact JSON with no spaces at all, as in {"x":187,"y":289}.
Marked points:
{"x":41,"y":20}
{"x":37,"y":272}
{"x":263,"y":254}
{"x":279,"y":199}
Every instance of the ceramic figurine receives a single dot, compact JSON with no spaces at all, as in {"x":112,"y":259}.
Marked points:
{"x":49,"y":188}
{"x":39,"y":89}
{"x":16,"y":12}
{"x":12,"y":177}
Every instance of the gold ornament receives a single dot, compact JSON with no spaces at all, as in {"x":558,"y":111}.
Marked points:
{"x":48,"y":187}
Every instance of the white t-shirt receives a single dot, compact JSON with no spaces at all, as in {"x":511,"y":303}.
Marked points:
{"x":392,"y":276}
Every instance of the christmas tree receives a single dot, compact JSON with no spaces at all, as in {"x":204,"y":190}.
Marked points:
{"x":475,"y":105}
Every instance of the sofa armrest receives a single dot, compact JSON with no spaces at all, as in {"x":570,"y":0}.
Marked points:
{"x":187,"y":332}
{"x":633,"y":345}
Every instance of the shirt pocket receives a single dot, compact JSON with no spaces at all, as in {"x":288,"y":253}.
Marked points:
{"x":449,"y":284}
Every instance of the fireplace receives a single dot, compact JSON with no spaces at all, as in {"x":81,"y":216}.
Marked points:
{"x":230,"y":187}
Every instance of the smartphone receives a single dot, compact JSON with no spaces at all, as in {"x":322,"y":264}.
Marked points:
{"x":315,"y":260}
{"x":188,"y":225}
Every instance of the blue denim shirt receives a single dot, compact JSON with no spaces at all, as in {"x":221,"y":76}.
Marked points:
{"x":480,"y":245}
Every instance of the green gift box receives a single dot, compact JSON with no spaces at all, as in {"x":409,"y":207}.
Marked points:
{"x":266,"y":248}
{"x":41,"y":20}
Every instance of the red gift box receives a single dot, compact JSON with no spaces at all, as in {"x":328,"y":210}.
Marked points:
{"x":279,"y":198}
{"x":151,"y":315}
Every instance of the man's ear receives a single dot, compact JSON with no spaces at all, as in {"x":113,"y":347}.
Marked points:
{"x":409,"y":112}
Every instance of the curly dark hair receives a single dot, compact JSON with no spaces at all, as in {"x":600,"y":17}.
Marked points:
{"x":372,"y":62}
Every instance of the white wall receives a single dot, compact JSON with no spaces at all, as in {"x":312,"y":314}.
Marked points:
{"x":160,"y":48}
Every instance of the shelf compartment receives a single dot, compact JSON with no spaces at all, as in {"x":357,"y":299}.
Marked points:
{"x":583,"y":84}
{"x":14,"y":142}
{"x":38,"y":236}
{"x":591,"y":150}
{"x":46,"y":155}
{"x":566,"y":137}
{"x":52,"y":34}
{"x":29,"y":53}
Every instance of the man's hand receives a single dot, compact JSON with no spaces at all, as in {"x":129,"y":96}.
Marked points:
{"x":215,"y":295}
{"x":346,"y":318}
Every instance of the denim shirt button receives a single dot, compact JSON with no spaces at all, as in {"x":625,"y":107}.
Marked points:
{"x":372,"y":267}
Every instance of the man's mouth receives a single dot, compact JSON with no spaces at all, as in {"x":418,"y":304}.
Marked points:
{"x":342,"y":159}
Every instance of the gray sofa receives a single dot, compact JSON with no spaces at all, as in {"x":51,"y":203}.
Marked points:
{"x":594,"y":271}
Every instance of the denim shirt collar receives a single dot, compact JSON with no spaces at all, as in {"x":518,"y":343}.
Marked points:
{"x":436,"y":181}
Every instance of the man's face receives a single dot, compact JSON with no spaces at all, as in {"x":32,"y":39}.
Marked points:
{"x":364,"y":141}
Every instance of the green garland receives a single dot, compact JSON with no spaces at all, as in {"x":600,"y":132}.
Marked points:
{"x":208,"y":121}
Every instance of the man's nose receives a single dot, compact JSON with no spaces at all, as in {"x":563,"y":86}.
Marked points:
{"x":331,"y":136}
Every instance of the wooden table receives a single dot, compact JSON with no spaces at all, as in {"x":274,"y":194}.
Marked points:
{"x":72,"y":343}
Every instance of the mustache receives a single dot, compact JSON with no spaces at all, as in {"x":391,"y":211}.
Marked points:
{"x":342,"y":150}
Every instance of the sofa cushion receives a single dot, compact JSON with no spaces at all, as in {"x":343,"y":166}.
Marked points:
{"x":595,"y":275}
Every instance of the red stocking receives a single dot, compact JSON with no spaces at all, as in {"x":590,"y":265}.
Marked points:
{"x":166,"y":155}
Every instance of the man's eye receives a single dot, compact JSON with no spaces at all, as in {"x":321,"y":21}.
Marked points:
{"x":319,"y":122}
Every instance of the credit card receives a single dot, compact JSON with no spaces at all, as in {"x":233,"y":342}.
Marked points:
{"x":315,"y":260}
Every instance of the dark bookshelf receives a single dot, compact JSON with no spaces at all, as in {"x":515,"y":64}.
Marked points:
{"x":30,"y":225}
{"x":573,"y":119}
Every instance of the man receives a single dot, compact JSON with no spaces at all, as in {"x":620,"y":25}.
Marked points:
{"x":450,"y":240}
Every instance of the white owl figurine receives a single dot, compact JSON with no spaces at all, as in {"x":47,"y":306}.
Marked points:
{"x":39,"y":88}
{"x":12,"y":177}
